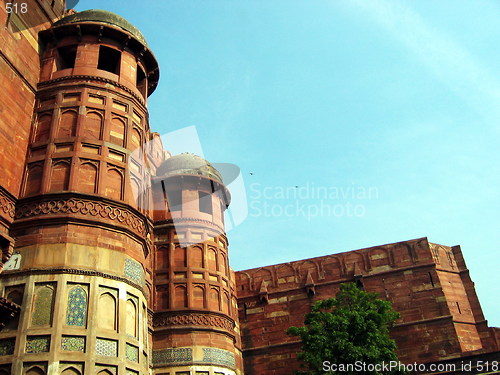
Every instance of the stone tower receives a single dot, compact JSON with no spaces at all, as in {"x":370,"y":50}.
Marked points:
{"x":196,"y":317}
{"x":103,"y":269}
{"x":82,"y":235}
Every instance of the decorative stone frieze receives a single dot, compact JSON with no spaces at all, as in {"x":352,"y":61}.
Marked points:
{"x":172,"y":319}
{"x":7,"y":204}
{"x":83,"y":207}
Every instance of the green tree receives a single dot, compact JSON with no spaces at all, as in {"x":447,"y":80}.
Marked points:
{"x":352,"y":328}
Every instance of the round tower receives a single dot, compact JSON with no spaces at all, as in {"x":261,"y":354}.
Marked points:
{"x":195,"y":319}
{"x":82,"y":234}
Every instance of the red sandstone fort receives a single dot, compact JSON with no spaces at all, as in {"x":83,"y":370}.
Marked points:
{"x":98,"y":280}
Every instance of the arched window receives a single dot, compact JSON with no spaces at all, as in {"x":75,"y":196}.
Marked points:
{"x":76,"y":314}
{"x":16,"y":296}
{"x":43,"y":305}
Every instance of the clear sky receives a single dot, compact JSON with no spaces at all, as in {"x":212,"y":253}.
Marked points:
{"x":396,"y":101}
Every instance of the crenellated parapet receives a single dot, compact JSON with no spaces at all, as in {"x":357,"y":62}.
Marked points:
{"x":428,"y":285}
{"x":350,"y":265}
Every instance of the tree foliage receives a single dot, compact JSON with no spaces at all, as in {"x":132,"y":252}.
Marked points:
{"x":351,"y":328}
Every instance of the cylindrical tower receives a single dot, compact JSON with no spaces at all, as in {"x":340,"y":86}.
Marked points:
{"x":195,"y":324}
{"x":83,"y":237}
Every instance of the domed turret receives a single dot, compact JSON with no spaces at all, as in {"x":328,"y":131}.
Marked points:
{"x":188,"y":164}
{"x":102,"y":16}
{"x":97,"y":43}
{"x":192,"y":187}
{"x":192,"y":266}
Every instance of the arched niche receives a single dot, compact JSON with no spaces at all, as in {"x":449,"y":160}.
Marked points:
{"x":67,"y":124}
{"x":180,"y":296}
{"x":87,"y":179}
{"x":34,"y":179}
{"x":106,"y":311}
{"x":131,"y":321}
{"x":43,"y":127}
{"x":59,"y":177}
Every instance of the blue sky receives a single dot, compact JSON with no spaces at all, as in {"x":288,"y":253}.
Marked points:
{"x":400,"y":97}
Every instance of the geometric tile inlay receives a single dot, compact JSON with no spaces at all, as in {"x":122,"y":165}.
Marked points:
{"x":7,"y":346}
{"x":132,"y":372}
{"x":37,"y":344}
{"x":219,"y":357}
{"x":134,"y":271}
{"x":132,"y":353}
{"x":73,"y":343}
{"x":172,"y":356}
{"x":76,"y":314}
{"x":108,"y":348}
